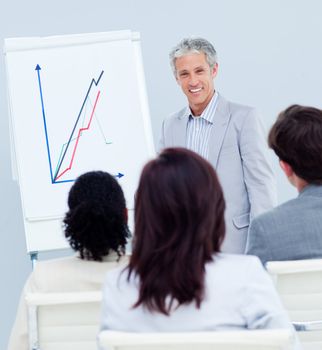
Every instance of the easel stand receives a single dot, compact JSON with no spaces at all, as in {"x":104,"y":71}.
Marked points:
{"x":33,"y":258}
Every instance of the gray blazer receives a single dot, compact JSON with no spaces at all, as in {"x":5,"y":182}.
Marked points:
{"x":239,"y":153}
{"x":291,"y":231}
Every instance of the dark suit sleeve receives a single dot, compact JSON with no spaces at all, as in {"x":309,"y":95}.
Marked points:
{"x":257,"y":243}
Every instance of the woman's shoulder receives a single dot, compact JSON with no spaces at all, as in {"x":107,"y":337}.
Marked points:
{"x":226,"y":258}
{"x":47,"y":265}
{"x":234,"y":273}
{"x":119,"y":274}
{"x":74,"y":261}
{"x":50,"y":273}
{"x":235,"y":264}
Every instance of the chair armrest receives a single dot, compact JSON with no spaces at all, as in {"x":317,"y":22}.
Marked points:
{"x":308,"y":326}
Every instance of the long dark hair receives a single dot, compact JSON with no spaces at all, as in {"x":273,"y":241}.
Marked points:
{"x":96,"y":222}
{"x":179,"y":225}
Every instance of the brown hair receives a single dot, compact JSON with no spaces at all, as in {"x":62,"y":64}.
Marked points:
{"x":179,"y":225}
{"x":296,"y":138}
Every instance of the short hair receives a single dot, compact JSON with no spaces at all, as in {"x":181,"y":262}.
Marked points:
{"x":188,"y":46}
{"x":179,"y":225}
{"x":96,"y":222}
{"x":296,"y":138}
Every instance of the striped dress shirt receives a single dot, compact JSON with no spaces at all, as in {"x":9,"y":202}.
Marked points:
{"x":199,"y":129}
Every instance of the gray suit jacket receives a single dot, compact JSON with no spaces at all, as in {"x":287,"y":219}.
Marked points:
{"x":239,"y":153}
{"x":291,"y":231}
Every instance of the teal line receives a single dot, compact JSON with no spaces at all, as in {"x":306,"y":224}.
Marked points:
{"x":101,"y":130}
{"x":83,"y":122}
{"x":61,"y":152}
{"x":100,"y":127}
{"x":66,"y":143}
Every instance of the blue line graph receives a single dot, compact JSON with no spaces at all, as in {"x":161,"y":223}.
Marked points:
{"x":44,"y":119}
{"x":96,"y":82}
{"x":55,"y":175}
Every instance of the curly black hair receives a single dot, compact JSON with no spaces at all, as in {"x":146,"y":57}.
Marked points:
{"x":96,"y":222}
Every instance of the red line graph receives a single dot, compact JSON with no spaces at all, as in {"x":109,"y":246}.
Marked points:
{"x":78,"y":137}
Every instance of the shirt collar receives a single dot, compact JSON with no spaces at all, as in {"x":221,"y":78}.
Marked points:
{"x":311,"y":189}
{"x":209,"y":112}
{"x":111,"y":256}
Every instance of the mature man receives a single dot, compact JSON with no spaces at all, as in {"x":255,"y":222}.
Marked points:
{"x":293,"y":230}
{"x":229,"y":135}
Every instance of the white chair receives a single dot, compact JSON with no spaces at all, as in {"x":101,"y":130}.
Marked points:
{"x":64,"y":321}
{"x":229,"y":340}
{"x":299,"y":284}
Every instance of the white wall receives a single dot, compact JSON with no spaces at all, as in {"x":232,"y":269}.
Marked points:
{"x":270,"y":56}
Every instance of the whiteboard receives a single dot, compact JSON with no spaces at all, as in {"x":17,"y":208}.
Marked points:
{"x":77,"y":103}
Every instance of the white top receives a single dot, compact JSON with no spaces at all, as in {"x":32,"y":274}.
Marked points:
{"x":239,"y":294}
{"x":69,"y":274}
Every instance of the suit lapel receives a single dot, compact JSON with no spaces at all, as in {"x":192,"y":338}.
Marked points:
{"x":219,"y":129}
{"x":179,"y":129}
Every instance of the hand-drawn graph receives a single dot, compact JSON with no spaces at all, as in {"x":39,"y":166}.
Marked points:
{"x":77,"y":104}
{"x":69,"y":148}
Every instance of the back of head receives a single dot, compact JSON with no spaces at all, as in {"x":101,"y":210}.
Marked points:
{"x":96,"y":222}
{"x":296,"y":138}
{"x":188,"y":46}
{"x":179,"y":225}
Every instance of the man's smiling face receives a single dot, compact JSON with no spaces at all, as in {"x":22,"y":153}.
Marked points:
{"x":195,"y":77}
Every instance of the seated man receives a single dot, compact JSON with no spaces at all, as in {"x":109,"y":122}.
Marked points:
{"x":293,"y":230}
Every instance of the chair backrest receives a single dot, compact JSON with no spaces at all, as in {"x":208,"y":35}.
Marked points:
{"x":299,"y":284}
{"x":228,"y":340}
{"x":64,"y":321}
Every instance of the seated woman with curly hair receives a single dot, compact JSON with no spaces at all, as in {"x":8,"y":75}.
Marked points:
{"x":96,"y":228}
{"x":177,"y":280}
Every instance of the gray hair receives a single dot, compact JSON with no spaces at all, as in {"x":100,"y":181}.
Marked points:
{"x":188,"y":46}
